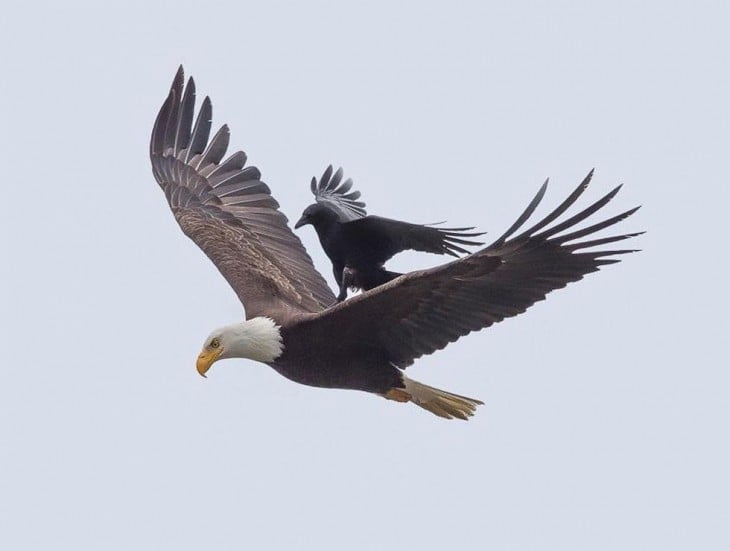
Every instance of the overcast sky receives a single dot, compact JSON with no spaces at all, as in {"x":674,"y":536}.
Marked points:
{"x":605,"y":424}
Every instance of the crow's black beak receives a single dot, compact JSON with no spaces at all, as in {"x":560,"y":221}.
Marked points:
{"x":302,"y":222}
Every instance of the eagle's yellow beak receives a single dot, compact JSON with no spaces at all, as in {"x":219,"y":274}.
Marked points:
{"x":207,"y":358}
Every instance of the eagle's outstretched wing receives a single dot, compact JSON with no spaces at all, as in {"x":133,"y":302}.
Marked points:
{"x":335,"y":194}
{"x":421,"y":312}
{"x":229,"y":212}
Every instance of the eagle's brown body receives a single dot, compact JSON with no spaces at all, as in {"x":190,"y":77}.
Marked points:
{"x":314,"y":361}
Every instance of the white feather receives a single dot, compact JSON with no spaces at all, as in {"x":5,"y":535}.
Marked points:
{"x":255,"y":339}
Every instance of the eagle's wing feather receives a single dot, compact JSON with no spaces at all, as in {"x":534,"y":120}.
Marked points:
{"x":423,"y":311}
{"x":229,"y":212}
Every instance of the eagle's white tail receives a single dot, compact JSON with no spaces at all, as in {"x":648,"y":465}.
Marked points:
{"x":439,"y":402}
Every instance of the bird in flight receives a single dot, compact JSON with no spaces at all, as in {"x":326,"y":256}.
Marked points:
{"x":366,"y":342}
{"x":358,"y":245}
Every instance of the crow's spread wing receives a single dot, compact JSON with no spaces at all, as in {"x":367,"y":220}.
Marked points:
{"x":338,"y":195}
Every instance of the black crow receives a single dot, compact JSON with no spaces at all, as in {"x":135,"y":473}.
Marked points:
{"x":358,"y":245}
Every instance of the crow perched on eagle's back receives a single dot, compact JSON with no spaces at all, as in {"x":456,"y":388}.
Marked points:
{"x":358,"y":245}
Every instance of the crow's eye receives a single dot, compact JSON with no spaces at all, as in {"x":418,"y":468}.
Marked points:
{"x":215,"y":343}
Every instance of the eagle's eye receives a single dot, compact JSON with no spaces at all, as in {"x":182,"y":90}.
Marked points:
{"x":215,"y":343}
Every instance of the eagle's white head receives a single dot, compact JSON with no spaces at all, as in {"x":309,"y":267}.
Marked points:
{"x":255,"y":339}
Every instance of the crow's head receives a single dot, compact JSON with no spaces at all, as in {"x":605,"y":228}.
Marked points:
{"x":317,"y":214}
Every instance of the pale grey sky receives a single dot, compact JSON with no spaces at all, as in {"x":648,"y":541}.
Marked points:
{"x":606,"y":416}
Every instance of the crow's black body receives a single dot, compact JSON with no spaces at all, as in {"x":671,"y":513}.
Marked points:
{"x":359,"y":245}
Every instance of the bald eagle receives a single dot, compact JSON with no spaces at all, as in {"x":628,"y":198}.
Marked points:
{"x":358,"y":245}
{"x":364,"y":343}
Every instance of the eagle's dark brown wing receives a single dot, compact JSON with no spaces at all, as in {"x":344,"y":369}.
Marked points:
{"x":423,"y":311}
{"x":229,"y":212}
{"x":338,"y":195}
